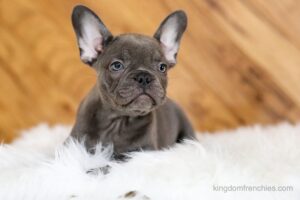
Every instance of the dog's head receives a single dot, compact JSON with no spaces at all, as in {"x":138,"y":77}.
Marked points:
{"x":132,"y":68}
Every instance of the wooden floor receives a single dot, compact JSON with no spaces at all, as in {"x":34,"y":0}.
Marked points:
{"x":239,"y":61}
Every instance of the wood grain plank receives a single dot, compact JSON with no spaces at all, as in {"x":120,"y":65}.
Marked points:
{"x":238,"y":63}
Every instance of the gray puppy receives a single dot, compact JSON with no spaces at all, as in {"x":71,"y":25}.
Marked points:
{"x":128,"y":106}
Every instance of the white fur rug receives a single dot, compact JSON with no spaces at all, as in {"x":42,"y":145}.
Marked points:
{"x":248,"y":163}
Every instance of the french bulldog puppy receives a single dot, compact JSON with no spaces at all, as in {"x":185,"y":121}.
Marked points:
{"x":128,"y":106}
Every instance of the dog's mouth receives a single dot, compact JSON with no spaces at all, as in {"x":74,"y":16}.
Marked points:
{"x":143,"y":97}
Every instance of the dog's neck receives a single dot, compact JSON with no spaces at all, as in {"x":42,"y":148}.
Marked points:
{"x":113,"y":124}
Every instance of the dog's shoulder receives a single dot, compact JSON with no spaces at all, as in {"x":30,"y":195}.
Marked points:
{"x":171,"y":106}
{"x":90,"y":103}
{"x":169,"y":111}
{"x":173,"y":113}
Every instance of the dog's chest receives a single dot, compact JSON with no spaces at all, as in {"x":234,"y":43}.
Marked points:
{"x":127,"y":133}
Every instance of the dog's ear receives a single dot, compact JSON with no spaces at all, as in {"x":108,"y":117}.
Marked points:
{"x":169,"y":34}
{"x":92,"y":35}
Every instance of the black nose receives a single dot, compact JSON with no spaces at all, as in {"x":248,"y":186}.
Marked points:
{"x":143,"y":78}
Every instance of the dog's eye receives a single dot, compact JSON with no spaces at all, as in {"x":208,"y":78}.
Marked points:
{"x":116,"y":66}
{"x":162,"y":67}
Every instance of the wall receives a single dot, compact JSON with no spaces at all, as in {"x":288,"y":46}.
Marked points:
{"x":239,"y":61}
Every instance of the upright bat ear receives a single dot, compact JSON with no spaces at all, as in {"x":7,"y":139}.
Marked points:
{"x":92,"y":35}
{"x":169,"y":34}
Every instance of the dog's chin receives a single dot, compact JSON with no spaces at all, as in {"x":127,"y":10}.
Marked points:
{"x":140,"y":105}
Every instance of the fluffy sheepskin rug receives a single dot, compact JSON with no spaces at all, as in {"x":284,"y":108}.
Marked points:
{"x":247,"y":163}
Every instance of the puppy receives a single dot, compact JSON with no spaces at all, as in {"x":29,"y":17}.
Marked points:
{"x":128,"y":106}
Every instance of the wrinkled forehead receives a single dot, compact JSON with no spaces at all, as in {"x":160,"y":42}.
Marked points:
{"x":135,"y":47}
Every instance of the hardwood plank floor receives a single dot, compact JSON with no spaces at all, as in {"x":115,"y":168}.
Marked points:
{"x":239,"y":61}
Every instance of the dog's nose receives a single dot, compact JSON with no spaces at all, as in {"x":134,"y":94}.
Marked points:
{"x":143,"y":78}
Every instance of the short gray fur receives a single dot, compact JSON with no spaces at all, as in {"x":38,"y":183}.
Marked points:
{"x":129,"y":108}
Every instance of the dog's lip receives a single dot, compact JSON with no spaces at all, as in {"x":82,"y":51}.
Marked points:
{"x":139,"y":95}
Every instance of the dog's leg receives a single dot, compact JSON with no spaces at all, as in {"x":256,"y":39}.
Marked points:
{"x":186,"y":130}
